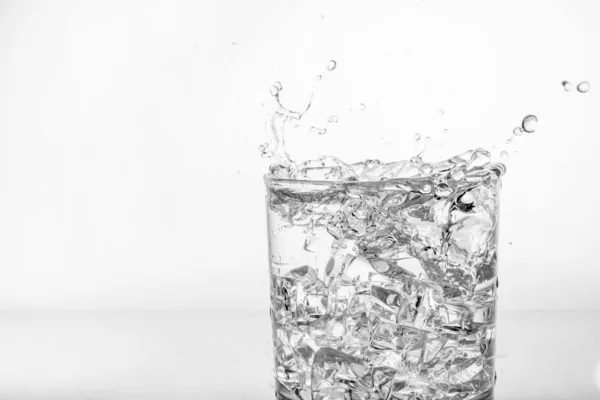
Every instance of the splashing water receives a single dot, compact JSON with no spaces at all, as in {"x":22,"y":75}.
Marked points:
{"x":529,"y":123}
{"x":330,"y":168}
{"x":583,"y":87}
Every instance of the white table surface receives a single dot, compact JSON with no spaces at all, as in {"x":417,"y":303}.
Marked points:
{"x":227,"y":356}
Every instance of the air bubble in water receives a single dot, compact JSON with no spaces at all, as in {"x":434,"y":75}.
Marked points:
{"x":504,"y":155}
{"x":518,"y":131}
{"x":363,"y":106}
{"x":529,"y":123}
{"x":333,"y":119}
{"x":331,"y":65}
{"x":417,"y":137}
{"x":467,"y":198}
{"x":441,"y":112}
{"x":583,"y":87}
{"x":566,"y":85}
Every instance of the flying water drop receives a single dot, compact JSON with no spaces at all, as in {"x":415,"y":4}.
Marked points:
{"x":508,"y":141}
{"x":417,"y":137}
{"x":441,"y":112}
{"x":583,"y":87}
{"x":316,"y":129}
{"x":318,"y":78}
{"x":504,"y":155}
{"x":363,"y":106}
{"x":333,"y":119}
{"x":566,"y":85}
{"x":518,"y":131}
{"x":331,"y":65}
{"x":529,"y":123}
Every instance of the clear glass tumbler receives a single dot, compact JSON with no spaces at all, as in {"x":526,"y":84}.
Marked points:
{"x":384,"y":290}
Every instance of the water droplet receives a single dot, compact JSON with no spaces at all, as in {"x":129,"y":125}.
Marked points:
{"x":234,"y":42}
{"x":320,"y":131}
{"x":566,"y":85}
{"x":238,"y":172}
{"x":529,"y":123}
{"x":363,"y":106}
{"x":518,"y":131}
{"x":277,"y":84}
{"x":318,"y":78}
{"x":417,"y":137}
{"x":333,"y":119}
{"x":262,"y":147}
{"x":510,"y":243}
{"x":262,"y":104}
{"x":274,"y":90}
{"x":508,"y":141}
{"x":331,"y":65}
{"x":445,"y":130}
{"x":427,"y":139}
{"x":322,"y":16}
{"x":504,"y":155}
{"x":583,"y":87}
{"x":441,"y":112}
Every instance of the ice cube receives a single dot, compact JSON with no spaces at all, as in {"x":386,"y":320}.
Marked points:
{"x":358,"y":333}
{"x":311,"y":302}
{"x":305,"y":275}
{"x":283,"y":298}
{"x":283,"y":392}
{"x":328,"y":331}
{"x":357,"y":269}
{"x":337,"y":375}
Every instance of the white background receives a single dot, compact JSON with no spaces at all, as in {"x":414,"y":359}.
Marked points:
{"x":129,"y":171}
